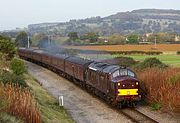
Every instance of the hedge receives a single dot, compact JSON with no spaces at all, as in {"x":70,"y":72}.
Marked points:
{"x":178,"y":52}
{"x":135,"y":52}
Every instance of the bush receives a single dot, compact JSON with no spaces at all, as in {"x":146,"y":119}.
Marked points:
{"x":7,"y":48}
{"x":17,"y":66}
{"x":7,"y":77}
{"x":156,"y":106}
{"x":126,"y":61}
{"x":178,"y":52}
{"x":150,"y":63}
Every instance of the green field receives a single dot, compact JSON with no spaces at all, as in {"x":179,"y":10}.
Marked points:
{"x":172,"y":60}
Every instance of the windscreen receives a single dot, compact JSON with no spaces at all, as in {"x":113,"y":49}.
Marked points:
{"x":123,"y":72}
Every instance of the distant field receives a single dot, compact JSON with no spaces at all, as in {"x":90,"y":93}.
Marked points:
{"x":160,"y":47}
{"x":172,"y":60}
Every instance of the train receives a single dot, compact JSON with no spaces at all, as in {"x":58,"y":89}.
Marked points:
{"x":116,"y":84}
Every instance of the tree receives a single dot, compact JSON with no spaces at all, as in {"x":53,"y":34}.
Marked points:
{"x":92,"y":36}
{"x":133,"y":39}
{"x":22,"y":39}
{"x":7,"y":48}
{"x":117,"y":39}
{"x":39,"y":39}
{"x":73,"y":36}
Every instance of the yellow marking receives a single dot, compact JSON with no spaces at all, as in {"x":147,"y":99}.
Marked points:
{"x":123,"y":92}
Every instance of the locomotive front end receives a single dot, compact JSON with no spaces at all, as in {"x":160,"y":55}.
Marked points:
{"x":126,"y":87}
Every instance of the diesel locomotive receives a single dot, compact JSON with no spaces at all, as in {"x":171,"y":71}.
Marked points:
{"x":116,"y":84}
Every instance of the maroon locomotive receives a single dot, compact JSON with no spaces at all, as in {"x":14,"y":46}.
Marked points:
{"x":116,"y":84}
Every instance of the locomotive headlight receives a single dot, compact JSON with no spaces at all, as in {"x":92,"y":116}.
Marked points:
{"x":137,"y":83}
{"x":119,"y":84}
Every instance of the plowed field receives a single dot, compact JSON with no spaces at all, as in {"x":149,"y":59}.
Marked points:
{"x":160,"y":47}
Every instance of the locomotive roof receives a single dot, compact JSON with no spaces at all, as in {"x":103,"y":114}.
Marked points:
{"x":78,"y":60}
{"x":103,"y":67}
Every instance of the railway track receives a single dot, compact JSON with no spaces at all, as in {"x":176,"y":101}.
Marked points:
{"x":136,"y":116}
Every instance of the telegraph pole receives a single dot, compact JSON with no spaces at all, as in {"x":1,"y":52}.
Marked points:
{"x":155,"y":43}
{"x":28,"y":42}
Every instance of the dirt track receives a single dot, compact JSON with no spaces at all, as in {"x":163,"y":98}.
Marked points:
{"x":83,"y":107}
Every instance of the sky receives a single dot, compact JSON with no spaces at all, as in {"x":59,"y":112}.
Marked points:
{"x":20,"y":13}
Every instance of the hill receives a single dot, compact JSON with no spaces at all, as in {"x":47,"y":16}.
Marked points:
{"x":138,"y":21}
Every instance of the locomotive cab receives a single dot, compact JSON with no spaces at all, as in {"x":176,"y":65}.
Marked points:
{"x":126,"y":86}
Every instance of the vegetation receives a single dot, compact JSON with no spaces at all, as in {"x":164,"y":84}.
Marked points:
{"x":137,"y":21}
{"x":49,"y":107}
{"x":17,"y":66}
{"x":160,"y":48}
{"x":7,"y":48}
{"x":20,"y":103}
{"x":171,"y":60}
{"x":73,"y":36}
{"x":7,"y":77}
{"x":162,"y":87}
{"x":126,"y":61}
{"x":7,"y":118}
{"x":22,"y":39}
{"x":178,"y":52}
{"x":135,"y":52}
{"x":133,"y":39}
{"x":116,"y":39}
{"x":150,"y":63}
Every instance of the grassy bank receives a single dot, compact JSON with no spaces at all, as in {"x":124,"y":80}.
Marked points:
{"x":49,"y":107}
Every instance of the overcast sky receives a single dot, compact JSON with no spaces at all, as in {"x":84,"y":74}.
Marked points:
{"x":20,"y":13}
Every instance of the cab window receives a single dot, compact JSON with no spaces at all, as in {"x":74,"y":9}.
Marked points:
{"x":130,"y":73}
{"x":123,"y":72}
{"x":115,"y":74}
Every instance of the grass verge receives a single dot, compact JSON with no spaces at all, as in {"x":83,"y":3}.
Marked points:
{"x":50,"y":110}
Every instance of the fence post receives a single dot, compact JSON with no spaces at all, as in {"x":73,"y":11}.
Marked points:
{"x":61,"y":101}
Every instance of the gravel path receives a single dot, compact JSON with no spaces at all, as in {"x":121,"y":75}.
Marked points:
{"x":83,"y":107}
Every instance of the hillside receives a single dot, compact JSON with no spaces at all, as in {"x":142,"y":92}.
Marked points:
{"x":138,"y":21}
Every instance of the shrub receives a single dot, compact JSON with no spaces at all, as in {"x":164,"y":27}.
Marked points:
{"x":156,"y":106}
{"x":17,"y":66}
{"x":150,"y":63}
{"x":7,"y":77}
{"x":7,"y":48}
{"x":178,"y":52}
{"x":126,"y":61}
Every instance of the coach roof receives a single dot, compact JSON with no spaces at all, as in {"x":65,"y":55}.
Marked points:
{"x":78,"y":60}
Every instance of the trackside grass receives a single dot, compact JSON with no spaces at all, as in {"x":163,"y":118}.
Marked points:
{"x":49,"y":107}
